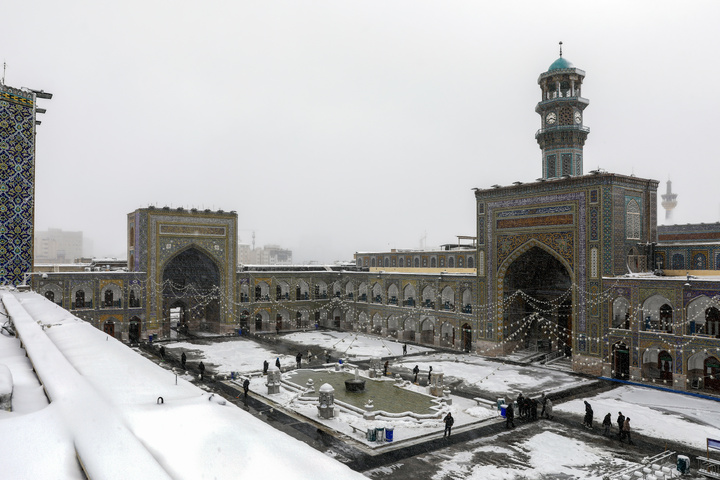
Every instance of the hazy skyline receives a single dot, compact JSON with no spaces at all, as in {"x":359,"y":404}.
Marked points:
{"x":333,"y":127}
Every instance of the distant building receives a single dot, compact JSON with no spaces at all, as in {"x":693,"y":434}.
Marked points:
{"x":669,"y":202}
{"x":18,"y":110}
{"x":56,"y":246}
{"x":268,"y":255}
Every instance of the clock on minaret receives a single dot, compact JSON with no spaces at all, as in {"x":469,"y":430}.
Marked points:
{"x":562,"y":134}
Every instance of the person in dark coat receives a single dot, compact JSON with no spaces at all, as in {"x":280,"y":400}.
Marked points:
{"x":521,"y":404}
{"x":201,"y":367}
{"x":607,"y":422}
{"x":533,"y":408}
{"x":266,"y":365}
{"x":246,"y":386}
{"x":416,"y":370}
{"x":509,"y":416}
{"x":298,"y":359}
{"x":183,"y":359}
{"x":429,"y":375}
{"x":385,"y":368}
{"x":543,"y":402}
{"x":404,"y":348}
{"x":162,"y":352}
{"x":277,"y":363}
{"x":620,"y":423}
{"x":588,"y":415}
{"x":449,"y":421}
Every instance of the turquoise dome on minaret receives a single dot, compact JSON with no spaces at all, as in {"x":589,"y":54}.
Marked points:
{"x":560,"y":64}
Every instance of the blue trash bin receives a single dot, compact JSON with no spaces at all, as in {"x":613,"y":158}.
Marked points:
{"x":503,"y":412}
{"x":150,"y":338}
{"x":389,"y":433}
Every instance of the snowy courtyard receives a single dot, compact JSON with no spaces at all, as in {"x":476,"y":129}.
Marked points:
{"x":181,"y":427}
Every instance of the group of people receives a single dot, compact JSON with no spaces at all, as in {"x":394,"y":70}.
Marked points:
{"x":623,"y":424}
{"x":528,"y":409}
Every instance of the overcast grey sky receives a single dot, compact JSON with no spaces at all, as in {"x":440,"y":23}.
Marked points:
{"x":338,"y":126}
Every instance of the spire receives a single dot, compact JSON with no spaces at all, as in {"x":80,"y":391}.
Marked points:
{"x":561,"y":48}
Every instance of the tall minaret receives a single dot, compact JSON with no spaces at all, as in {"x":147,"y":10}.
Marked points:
{"x":562,"y":133}
{"x":669,"y":201}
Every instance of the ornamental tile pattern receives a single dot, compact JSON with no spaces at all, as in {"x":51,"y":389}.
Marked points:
{"x":17,"y":184}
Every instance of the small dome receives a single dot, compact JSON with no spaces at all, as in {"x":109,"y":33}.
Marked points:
{"x":327,"y":388}
{"x":560,"y":64}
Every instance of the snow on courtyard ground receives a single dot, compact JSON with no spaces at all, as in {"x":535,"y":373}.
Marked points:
{"x":240,"y":355}
{"x":655,"y":413}
{"x":495,"y":378}
{"x":663,"y":415}
{"x":190,"y":434}
{"x":356,"y":346}
{"x":550,"y":454}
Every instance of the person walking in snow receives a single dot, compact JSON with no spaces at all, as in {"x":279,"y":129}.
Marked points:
{"x":404,"y":348}
{"x":246,"y":386}
{"x":162,"y":352}
{"x":509,"y":416}
{"x":533,"y":408}
{"x":588,"y":415}
{"x":620,"y":423}
{"x":626,"y":430}
{"x":543,"y":401}
{"x":183,"y":359}
{"x":385,"y":368}
{"x":548,"y":408}
{"x":298,"y":359}
{"x":429,"y":375}
{"x":607,"y":422}
{"x":201,"y":367}
{"x":266,"y":365}
{"x":520,"y":401}
{"x":449,"y":421}
{"x":277,"y":363}
{"x":310,"y":356}
{"x":416,"y":370}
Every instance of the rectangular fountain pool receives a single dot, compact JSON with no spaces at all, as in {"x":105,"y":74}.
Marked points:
{"x":384,"y":394}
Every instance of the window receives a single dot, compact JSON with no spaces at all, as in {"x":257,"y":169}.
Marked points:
{"x":594,"y":262}
{"x":551,"y":169}
{"x":401,"y":261}
{"x":433,"y":262}
{"x":471,"y":262}
{"x":678,"y":261}
{"x":451,"y":262}
{"x":417,"y":262}
{"x":632,"y":220}
{"x":566,"y":163}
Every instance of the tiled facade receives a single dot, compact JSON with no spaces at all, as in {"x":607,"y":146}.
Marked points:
{"x":17,"y":183}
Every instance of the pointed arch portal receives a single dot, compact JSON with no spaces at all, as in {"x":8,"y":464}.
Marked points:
{"x":194,"y":278}
{"x":546,"y":283}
